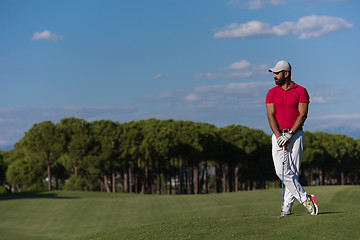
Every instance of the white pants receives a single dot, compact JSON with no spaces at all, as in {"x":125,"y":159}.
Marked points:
{"x":293,"y":154}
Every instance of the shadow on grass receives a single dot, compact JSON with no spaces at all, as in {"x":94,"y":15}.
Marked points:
{"x":32,"y":195}
{"x":320,"y":213}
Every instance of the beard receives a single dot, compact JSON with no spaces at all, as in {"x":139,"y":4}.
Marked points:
{"x":279,"y":81}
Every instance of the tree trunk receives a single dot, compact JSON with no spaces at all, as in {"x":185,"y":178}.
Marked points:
{"x":178,"y":181}
{"x":125,"y":182}
{"x":182,"y":181}
{"x":180,"y":185}
{"x":196,"y":179}
{"x":106,"y":184}
{"x":202,"y":178}
{"x":153,"y":183}
{"x":223,"y":179}
{"x":49,"y":177}
{"x":152,"y":178}
{"x":208,"y":176}
{"x":186,"y":181}
{"x":236,"y":179}
{"x":191,"y":180}
{"x":356,"y":178}
{"x":143,"y":187}
{"x":101,"y":185}
{"x":130,"y":180}
{"x":76,"y":171}
{"x":230,"y":184}
{"x":146,"y":184}
{"x":113,"y":182}
{"x":121,"y":182}
{"x":170,"y":187}
{"x":136,"y":183}
{"x":342,"y":178}
{"x":163,"y":184}
{"x":191,"y":173}
{"x":159,"y":179}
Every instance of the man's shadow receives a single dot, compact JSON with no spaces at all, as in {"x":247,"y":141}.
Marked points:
{"x":320,"y":213}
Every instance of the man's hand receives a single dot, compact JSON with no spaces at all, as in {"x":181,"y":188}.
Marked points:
{"x":282,"y":140}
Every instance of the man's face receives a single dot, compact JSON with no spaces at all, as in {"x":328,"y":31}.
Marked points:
{"x":279,"y":78}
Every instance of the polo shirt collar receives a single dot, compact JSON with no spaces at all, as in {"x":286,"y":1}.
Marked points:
{"x":293,"y":85}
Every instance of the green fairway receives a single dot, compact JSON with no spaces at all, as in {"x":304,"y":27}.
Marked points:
{"x":242,"y":215}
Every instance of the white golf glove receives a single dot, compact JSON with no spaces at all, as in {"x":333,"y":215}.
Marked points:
{"x":283,"y":139}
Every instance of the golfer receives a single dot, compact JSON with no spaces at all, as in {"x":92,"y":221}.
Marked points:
{"x":287,"y":108}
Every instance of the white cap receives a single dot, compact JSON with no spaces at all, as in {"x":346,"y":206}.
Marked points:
{"x":281,"y":66}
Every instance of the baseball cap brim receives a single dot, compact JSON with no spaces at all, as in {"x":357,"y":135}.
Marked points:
{"x":281,"y":66}
{"x":275,"y":70}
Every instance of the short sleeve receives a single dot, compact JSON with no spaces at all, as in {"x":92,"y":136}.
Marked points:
{"x":270,"y":96}
{"x":304,"y":96}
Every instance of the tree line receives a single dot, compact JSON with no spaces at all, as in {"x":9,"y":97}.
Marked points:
{"x":164,"y":157}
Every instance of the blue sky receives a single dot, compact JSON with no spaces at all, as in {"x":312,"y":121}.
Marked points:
{"x":203,"y":60}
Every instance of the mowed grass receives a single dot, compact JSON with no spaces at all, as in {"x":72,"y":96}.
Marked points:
{"x":241,"y":215}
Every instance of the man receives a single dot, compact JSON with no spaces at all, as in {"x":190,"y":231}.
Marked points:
{"x":287,"y":108}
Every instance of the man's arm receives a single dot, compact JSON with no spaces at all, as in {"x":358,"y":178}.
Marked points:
{"x":303,"y":110}
{"x":270,"y":110}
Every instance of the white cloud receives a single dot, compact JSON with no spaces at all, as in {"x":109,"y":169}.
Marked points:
{"x":47,"y":35}
{"x":328,"y":0}
{"x":241,"y":69}
{"x":162,"y":95}
{"x":243,"y":64}
{"x":348,"y":124}
{"x":316,"y":26}
{"x":318,"y":100}
{"x":191,"y":97}
{"x":249,"y":29}
{"x":306,"y":27}
{"x":157,"y":76}
{"x":254,"y":4}
{"x":230,"y":95}
{"x":257,"y":4}
{"x":326,"y":97}
{"x":352,"y":116}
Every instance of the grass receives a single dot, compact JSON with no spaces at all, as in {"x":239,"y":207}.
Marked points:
{"x":242,"y":215}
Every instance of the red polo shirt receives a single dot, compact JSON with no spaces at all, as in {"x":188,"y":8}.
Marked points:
{"x":287,"y":103}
